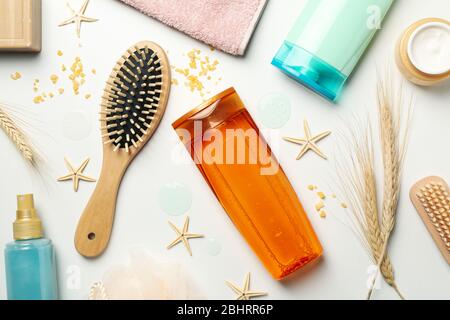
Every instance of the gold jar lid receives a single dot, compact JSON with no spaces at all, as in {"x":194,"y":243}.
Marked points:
{"x":27,"y":224}
{"x":404,"y":60}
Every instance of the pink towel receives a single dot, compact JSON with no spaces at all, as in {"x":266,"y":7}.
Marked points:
{"x":224,"y":24}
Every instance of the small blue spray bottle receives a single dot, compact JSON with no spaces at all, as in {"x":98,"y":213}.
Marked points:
{"x":30,"y":259}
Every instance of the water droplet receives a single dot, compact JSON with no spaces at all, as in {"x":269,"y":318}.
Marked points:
{"x":175,"y":198}
{"x":274,"y":110}
{"x":76,"y":125}
{"x":213,"y":247}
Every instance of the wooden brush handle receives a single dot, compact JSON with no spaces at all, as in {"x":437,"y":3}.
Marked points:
{"x":95,"y":225}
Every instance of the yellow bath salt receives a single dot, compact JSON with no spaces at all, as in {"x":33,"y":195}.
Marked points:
{"x":199,"y":69}
{"x":184,"y":72}
{"x":51,"y":95}
{"x":193,"y":55}
{"x":44,"y":95}
{"x":323,"y":214}
{"x":61,"y":90}
{"x":321,"y":195}
{"x":320,"y":206}
{"x":94,"y":71}
{"x":311,"y":187}
{"x":38,"y":99}
{"x":87,"y":96}
{"x":59,"y":53}
{"x":333,"y":196}
{"x":54,"y":78}
{"x":63,"y":68}
{"x":206,"y":66}
{"x":204,"y":69}
{"x":76,"y":75}
{"x":194,"y":83}
{"x":36,"y":85}
{"x":16,"y":76}
{"x":344,"y":205}
{"x":175,"y":82}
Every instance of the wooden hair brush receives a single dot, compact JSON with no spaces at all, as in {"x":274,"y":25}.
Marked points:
{"x":133,"y":103}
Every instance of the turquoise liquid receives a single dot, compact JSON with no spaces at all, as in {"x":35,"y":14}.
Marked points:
{"x":274,"y":110}
{"x":175,"y":198}
{"x":31,"y":270}
{"x":213,"y":247}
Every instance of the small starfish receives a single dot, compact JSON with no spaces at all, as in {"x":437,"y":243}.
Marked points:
{"x":183,"y":236}
{"x":309,"y":142}
{"x":76,"y":175}
{"x":78,"y":17}
{"x":245,"y":293}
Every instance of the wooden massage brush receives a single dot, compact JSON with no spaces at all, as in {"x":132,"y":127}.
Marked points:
{"x":431,"y":197}
{"x":133,"y":103}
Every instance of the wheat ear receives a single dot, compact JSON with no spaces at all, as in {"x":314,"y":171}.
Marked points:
{"x":369,"y":199}
{"x":17,"y":136}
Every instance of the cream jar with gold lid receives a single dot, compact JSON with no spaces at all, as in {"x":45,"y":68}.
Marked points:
{"x":423,"y":52}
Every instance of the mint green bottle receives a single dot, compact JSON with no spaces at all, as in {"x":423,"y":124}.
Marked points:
{"x":328,"y":40}
{"x":30,"y":259}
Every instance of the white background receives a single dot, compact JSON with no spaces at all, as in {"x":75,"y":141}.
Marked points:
{"x":421,"y":271}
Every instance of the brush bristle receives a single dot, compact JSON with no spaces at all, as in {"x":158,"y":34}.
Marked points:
{"x":132,"y":97}
{"x":435,"y":200}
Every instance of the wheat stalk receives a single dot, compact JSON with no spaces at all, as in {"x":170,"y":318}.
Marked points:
{"x":17,"y":136}
{"x":370,"y":208}
{"x":359,"y":186}
{"x":393,"y":144}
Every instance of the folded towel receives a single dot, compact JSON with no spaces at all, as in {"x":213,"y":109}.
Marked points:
{"x":224,"y":24}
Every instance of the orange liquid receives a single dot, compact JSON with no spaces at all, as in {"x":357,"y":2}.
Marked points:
{"x":265,"y":208}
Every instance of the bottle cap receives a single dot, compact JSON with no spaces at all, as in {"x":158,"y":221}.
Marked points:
{"x":27,"y":224}
{"x":310,"y":71}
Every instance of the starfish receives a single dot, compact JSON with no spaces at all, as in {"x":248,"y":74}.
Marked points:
{"x":183,"y":236}
{"x":78,"y":17}
{"x":309,"y":142}
{"x":245,"y":293}
{"x":76,"y":175}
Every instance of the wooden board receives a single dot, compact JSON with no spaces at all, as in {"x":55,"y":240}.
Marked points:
{"x":20,"y":25}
